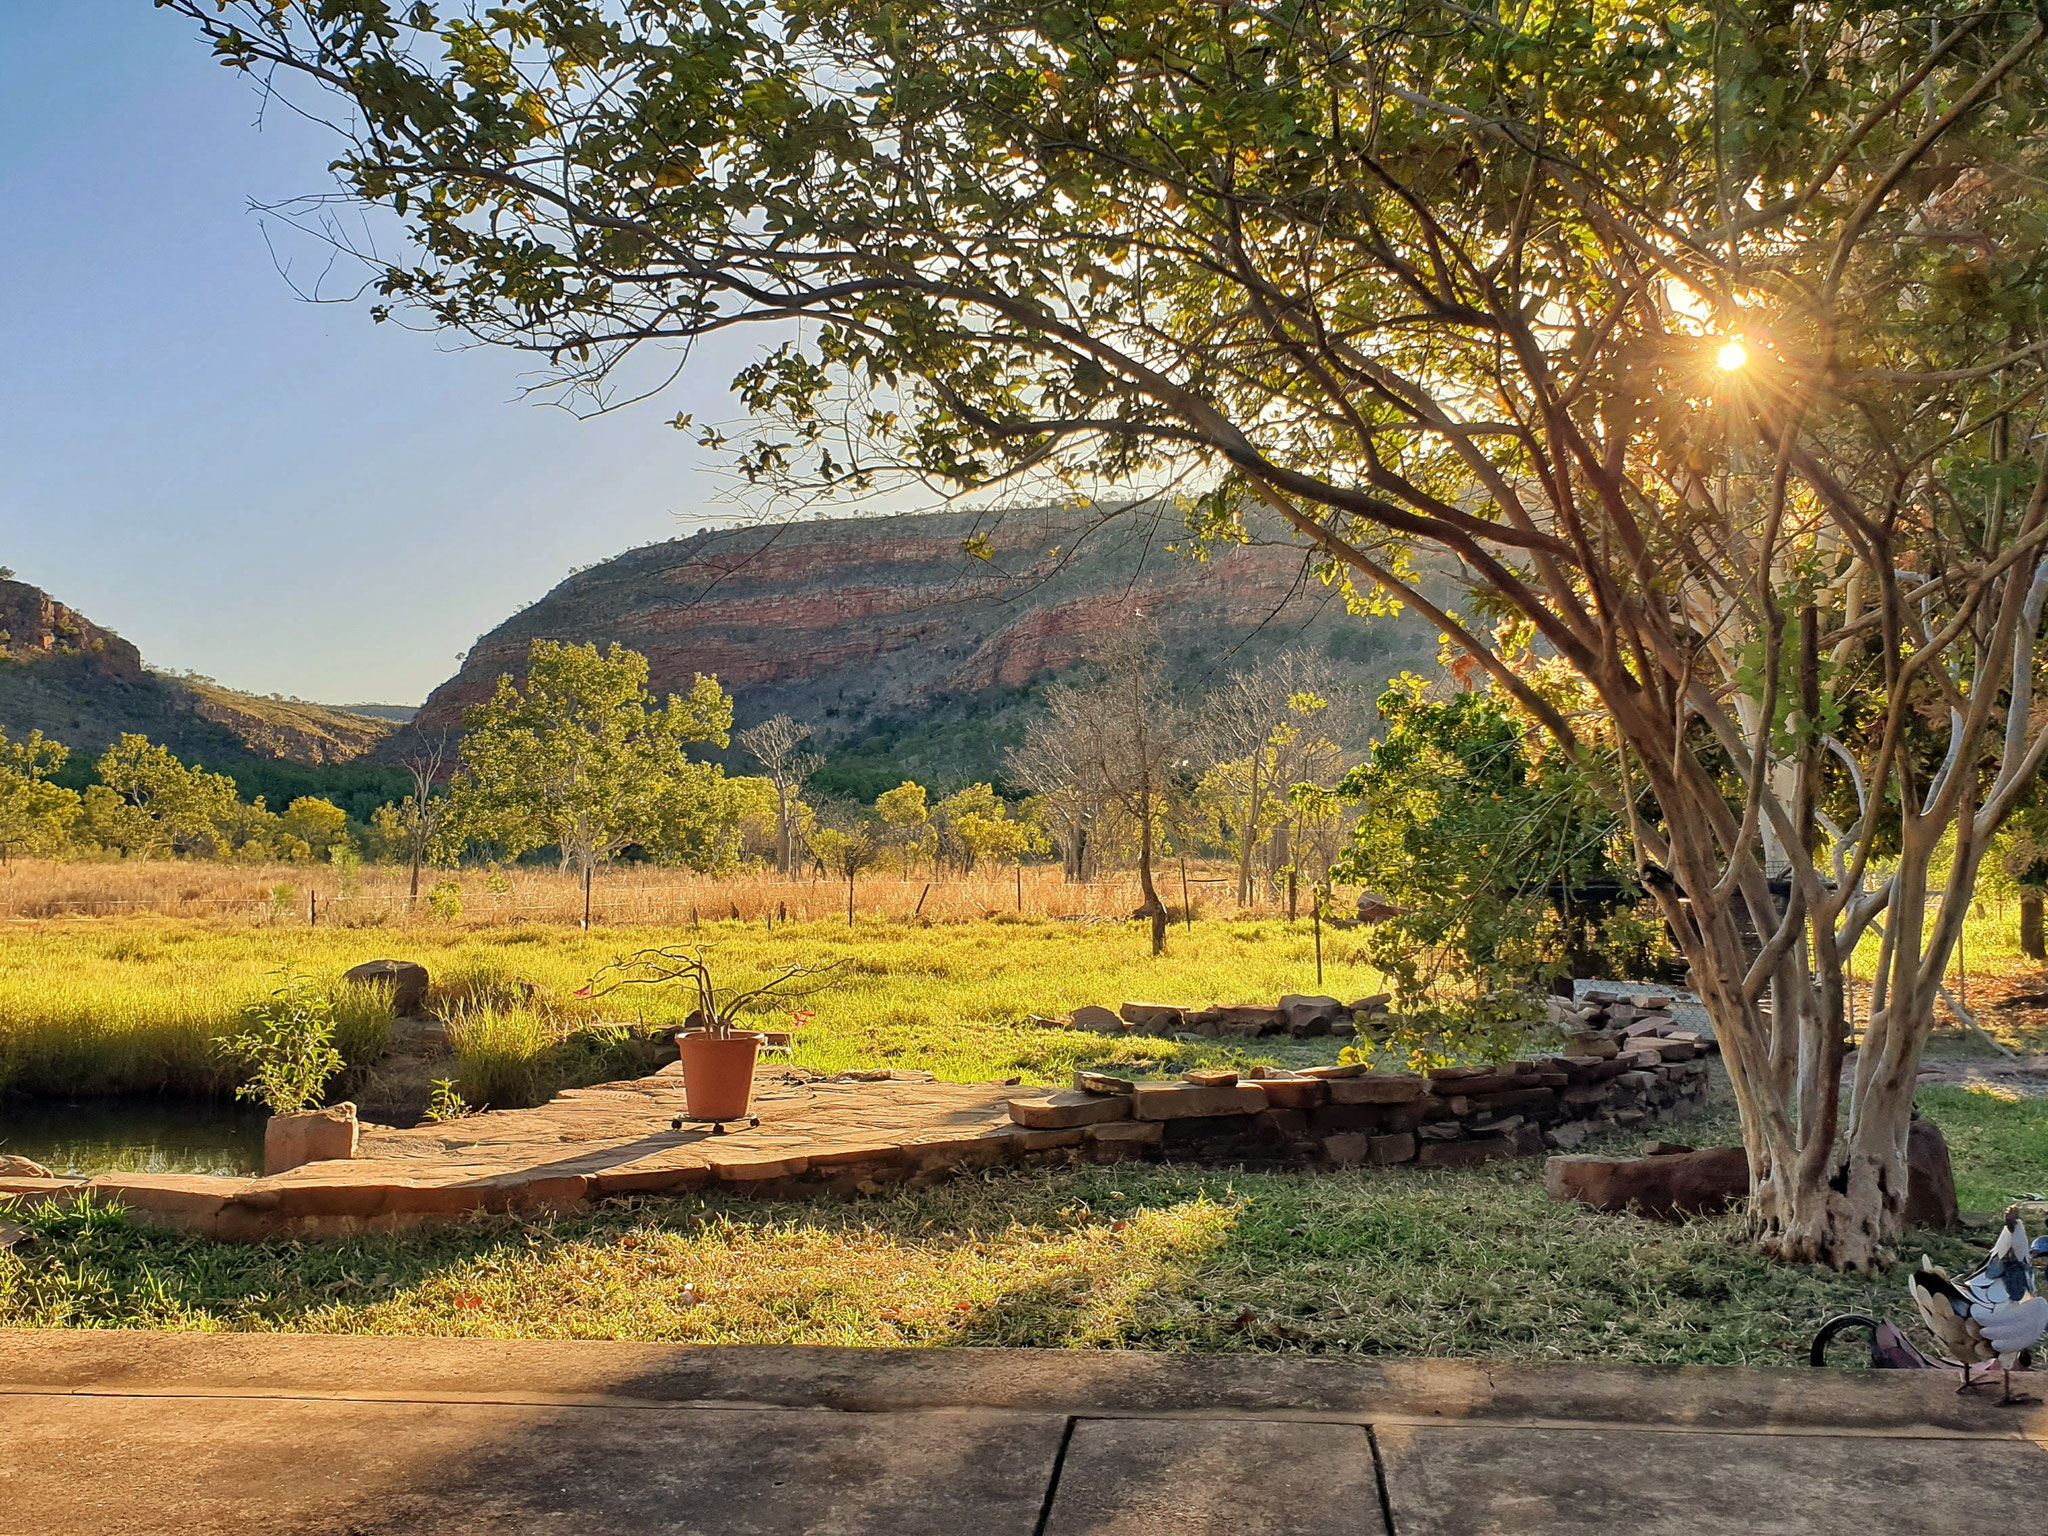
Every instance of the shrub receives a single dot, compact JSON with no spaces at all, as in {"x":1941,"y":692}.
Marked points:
{"x":445,"y":900}
{"x":287,"y":1042}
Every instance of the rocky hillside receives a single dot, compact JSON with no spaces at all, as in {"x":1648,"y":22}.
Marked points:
{"x":899,"y":643}
{"x":84,"y":685}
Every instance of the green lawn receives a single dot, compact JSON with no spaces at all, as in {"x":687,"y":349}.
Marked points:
{"x":1475,"y":1263}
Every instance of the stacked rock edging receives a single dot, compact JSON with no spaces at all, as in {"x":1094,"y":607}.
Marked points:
{"x":1348,"y":1116}
{"x":1302,"y":1015}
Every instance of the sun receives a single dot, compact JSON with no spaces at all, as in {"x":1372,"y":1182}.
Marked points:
{"x":1733,"y":355}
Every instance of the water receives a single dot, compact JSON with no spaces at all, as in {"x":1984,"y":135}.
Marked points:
{"x":133,"y":1135}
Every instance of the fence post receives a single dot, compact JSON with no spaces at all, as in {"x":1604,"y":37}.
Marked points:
{"x":312,"y":909}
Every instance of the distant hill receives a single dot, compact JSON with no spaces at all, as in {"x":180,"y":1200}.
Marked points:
{"x":911,"y":654}
{"x":83,"y":685}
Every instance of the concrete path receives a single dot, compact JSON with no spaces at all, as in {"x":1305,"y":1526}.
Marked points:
{"x":138,"y":1433}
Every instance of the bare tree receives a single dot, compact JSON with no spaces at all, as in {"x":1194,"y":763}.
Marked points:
{"x":778,"y":746}
{"x":1128,"y":729}
{"x":1263,"y":729}
{"x":1056,"y":764}
{"x":421,"y":815}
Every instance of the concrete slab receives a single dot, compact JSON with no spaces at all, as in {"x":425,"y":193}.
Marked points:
{"x":1215,"y":1477}
{"x":1549,"y":1482}
{"x":109,"y":1431}
{"x":93,"y":1466}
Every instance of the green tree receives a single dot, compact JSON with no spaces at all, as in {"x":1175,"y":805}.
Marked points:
{"x":318,"y":824}
{"x":906,"y":812}
{"x":582,"y":758}
{"x":36,"y":816}
{"x":1485,"y":836}
{"x":1711,"y":347}
{"x":172,"y":808}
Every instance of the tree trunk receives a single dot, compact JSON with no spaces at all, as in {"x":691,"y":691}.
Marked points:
{"x":2031,"y":942}
{"x":1151,"y":907}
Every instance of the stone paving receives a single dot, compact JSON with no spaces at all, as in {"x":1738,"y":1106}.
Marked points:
{"x":153,"y":1434}
{"x":593,"y":1143}
{"x":862,"y":1132}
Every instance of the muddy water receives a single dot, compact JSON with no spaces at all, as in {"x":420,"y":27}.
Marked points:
{"x":133,"y":1135}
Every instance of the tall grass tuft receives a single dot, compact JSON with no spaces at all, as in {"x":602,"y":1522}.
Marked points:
{"x":509,"y":1058}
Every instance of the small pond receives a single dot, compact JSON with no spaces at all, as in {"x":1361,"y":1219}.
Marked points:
{"x":133,"y":1135}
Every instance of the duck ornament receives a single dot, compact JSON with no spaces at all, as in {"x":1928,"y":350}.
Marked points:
{"x":1992,"y":1313}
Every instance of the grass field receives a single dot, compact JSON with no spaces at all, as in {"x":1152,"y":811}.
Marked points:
{"x":133,"y":1005}
{"x":1474,"y":1263}
{"x":1469,"y":1262}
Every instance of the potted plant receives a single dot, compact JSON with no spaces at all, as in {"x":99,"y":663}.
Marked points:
{"x":287,"y":1042}
{"x":718,"y":1056}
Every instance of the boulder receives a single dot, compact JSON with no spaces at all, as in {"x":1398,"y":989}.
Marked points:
{"x":1930,"y":1185}
{"x":1242,"y":1020}
{"x":1095,"y":1016}
{"x":1154,"y":1018}
{"x":406,"y":979}
{"x":1311,"y":1015}
{"x":23,"y":1168}
{"x":311,"y":1136}
{"x":1375,"y":908}
{"x":1667,"y":1186}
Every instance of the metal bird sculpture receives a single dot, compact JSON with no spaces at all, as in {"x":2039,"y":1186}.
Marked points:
{"x":1992,"y":1313}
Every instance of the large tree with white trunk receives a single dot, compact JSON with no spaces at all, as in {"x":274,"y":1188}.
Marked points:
{"x":1705,"y":340}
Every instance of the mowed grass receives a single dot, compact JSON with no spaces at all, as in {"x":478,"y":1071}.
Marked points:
{"x":135,"y":1005}
{"x":1467,"y":1263}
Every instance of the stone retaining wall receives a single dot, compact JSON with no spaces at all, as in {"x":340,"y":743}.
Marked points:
{"x":1347,"y":1116}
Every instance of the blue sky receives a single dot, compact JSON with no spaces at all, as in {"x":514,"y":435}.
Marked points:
{"x":283,"y":496}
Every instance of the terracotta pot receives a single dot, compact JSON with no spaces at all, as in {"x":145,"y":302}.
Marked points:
{"x":718,"y":1073}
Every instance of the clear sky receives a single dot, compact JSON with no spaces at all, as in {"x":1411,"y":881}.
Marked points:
{"x":283,"y":496}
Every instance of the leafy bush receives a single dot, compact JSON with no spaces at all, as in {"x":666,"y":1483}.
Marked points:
{"x":445,"y":900}
{"x":287,"y":1042}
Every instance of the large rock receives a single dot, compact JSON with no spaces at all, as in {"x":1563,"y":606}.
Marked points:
{"x":1095,"y":1016}
{"x":1311,"y":1015}
{"x":23,"y":1168}
{"x":1930,"y":1184}
{"x":1684,"y":1184}
{"x":406,"y":979}
{"x":1154,"y":1018}
{"x":311,"y":1136}
{"x":1248,"y":1019}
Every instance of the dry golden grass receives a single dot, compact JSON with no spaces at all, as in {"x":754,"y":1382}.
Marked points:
{"x":624,"y":896}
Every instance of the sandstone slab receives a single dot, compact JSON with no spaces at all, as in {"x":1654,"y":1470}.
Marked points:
{"x":1377,"y":1088}
{"x":311,"y":1136}
{"x":1053,"y":1111}
{"x":1181,"y":1101}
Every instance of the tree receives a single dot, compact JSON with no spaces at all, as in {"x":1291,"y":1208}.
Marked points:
{"x":844,"y":844}
{"x":417,"y":820}
{"x":1493,"y":846}
{"x":905,"y":812}
{"x":777,"y":745}
{"x":1258,"y":725}
{"x":317,"y":823}
{"x":1711,"y":348}
{"x":155,"y":804}
{"x":1129,"y":729}
{"x":1054,"y":763}
{"x":36,"y":816}
{"x":582,"y":758}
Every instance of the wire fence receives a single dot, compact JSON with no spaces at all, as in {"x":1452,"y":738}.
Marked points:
{"x":628,"y":896}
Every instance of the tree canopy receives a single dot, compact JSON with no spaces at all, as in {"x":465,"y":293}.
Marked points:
{"x":1706,"y":342}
